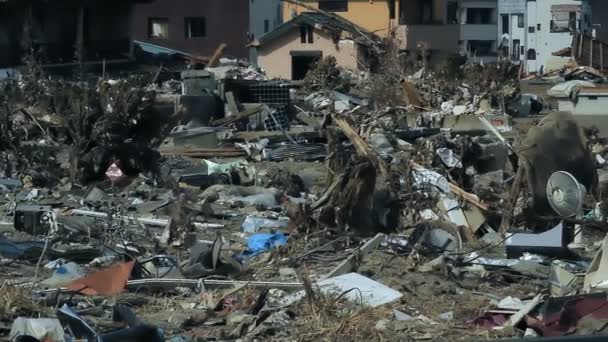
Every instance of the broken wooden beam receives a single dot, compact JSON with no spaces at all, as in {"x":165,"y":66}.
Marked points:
{"x":242,"y":115}
{"x":350,"y":264}
{"x":213,"y":61}
{"x":220,"y":152}
{"x":361,"y":146}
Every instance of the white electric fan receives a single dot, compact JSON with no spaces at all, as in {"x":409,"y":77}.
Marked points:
{"x":566,"y":195}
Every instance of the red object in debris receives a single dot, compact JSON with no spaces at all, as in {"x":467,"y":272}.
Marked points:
{"x":109,"y":281}
{"x":114,"y":173}
{"x":490,"y":320}
{"x":564,"y":321}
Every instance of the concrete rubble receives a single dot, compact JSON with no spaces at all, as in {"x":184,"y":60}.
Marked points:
{"x":221,"y":205}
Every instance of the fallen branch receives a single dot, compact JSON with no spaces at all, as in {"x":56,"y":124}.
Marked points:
{"x":361,"y":146}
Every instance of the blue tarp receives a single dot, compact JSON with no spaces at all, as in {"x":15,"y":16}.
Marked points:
{"x":260,"y":243}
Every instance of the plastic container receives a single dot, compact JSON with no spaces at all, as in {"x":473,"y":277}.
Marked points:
{"x":64,"y":274}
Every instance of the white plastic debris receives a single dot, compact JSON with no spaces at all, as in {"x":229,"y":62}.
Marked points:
{"x":459,"y":110}
{"x":424,"y":178}
{"x":371,"y":292}
{"x":254,"y":224}
{"x":39,"y":328}
{"x":402,"y":316}
{"x":354,"y":287}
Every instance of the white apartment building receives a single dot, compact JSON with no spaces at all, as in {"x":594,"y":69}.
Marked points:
{"x":532,"y":30}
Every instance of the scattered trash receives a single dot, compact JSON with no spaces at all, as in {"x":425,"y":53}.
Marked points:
{"x":109,"y":281}
{"x":218,"y":204}
{"x":254,"y":224}
{"x":40,"y":328}
{"x":259,"y":243}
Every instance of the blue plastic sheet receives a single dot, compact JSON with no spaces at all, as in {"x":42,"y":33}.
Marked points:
{"x":260,"y":243}
{"x":20,"y":249}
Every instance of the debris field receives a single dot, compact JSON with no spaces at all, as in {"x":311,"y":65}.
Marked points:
{"x":219,"y":205}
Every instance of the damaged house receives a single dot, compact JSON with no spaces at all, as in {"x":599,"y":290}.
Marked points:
{"x":64,"y":32}
{"x":432,"y":28}
{"x":306,"y":39}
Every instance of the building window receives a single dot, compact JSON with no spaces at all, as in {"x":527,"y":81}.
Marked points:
{"x":572,"y":21}
{"x":158,"y":28}
{"x":306,"y":35}
{"x":266,"y":26}
{"x":537,"y":27}
{"x":505,"y":23}
{"x":531,"y":29}
{"x":196,"y":27}
{"x":516,"y":49}
{"x":480,"y":15}
{"x":520,"y":20}
{"x":480,"y":47}
{"x":531,"y":54}
{"x":333,"y":5}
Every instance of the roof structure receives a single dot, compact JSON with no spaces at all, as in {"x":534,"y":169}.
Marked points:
{"x":326,"y":21}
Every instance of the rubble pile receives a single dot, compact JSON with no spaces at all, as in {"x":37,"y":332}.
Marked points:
{"x":226,"y":206}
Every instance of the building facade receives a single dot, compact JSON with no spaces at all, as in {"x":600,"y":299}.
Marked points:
{"x":264,"y":16}
{"x":65,"y":32}
{"x":478,"y":29}
{"x":512,"y":28}
{"x":550,"y":28}
{"x":530,"y":32}
{"x":599,"y":13}
{"x":435,"y":26}
{"x":293,"y":48}
{"x":195,"y":27}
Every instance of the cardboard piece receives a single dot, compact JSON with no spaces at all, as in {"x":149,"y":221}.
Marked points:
{"x":562,"y":282}
{"x":354,"y":287}
{"x":370,"y":291}
{"x":109,"y":281}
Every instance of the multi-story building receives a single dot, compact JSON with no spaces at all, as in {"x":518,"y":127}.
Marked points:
{"x":532,"y":31}
{"x":512,"y":18}
{"x":264,"y":16}
{"x":478,"y":28}
{"x":437,"y":26}
{"x":551,"y":24}
{"x":194,"y":26}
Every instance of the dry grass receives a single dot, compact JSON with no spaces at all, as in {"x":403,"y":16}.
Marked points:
{"x":323,"y":317}
{"x":15,"y":301}
{"x":331,"y":318}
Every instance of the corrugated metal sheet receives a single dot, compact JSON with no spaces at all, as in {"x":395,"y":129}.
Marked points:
{"x":159,"y":50}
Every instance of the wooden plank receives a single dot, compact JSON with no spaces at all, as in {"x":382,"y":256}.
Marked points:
{"x":580,"y":44}
{"x":350,"y":263}
{"x":233,"y":106}
{"x":507,"y":215}
{"x":239,"y":116}
{"x":591,"y":52}
{"x":573,"y":46}
{"x":515,"y":319}
{"x":602,"y":57}
{"x":217,"y":55}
